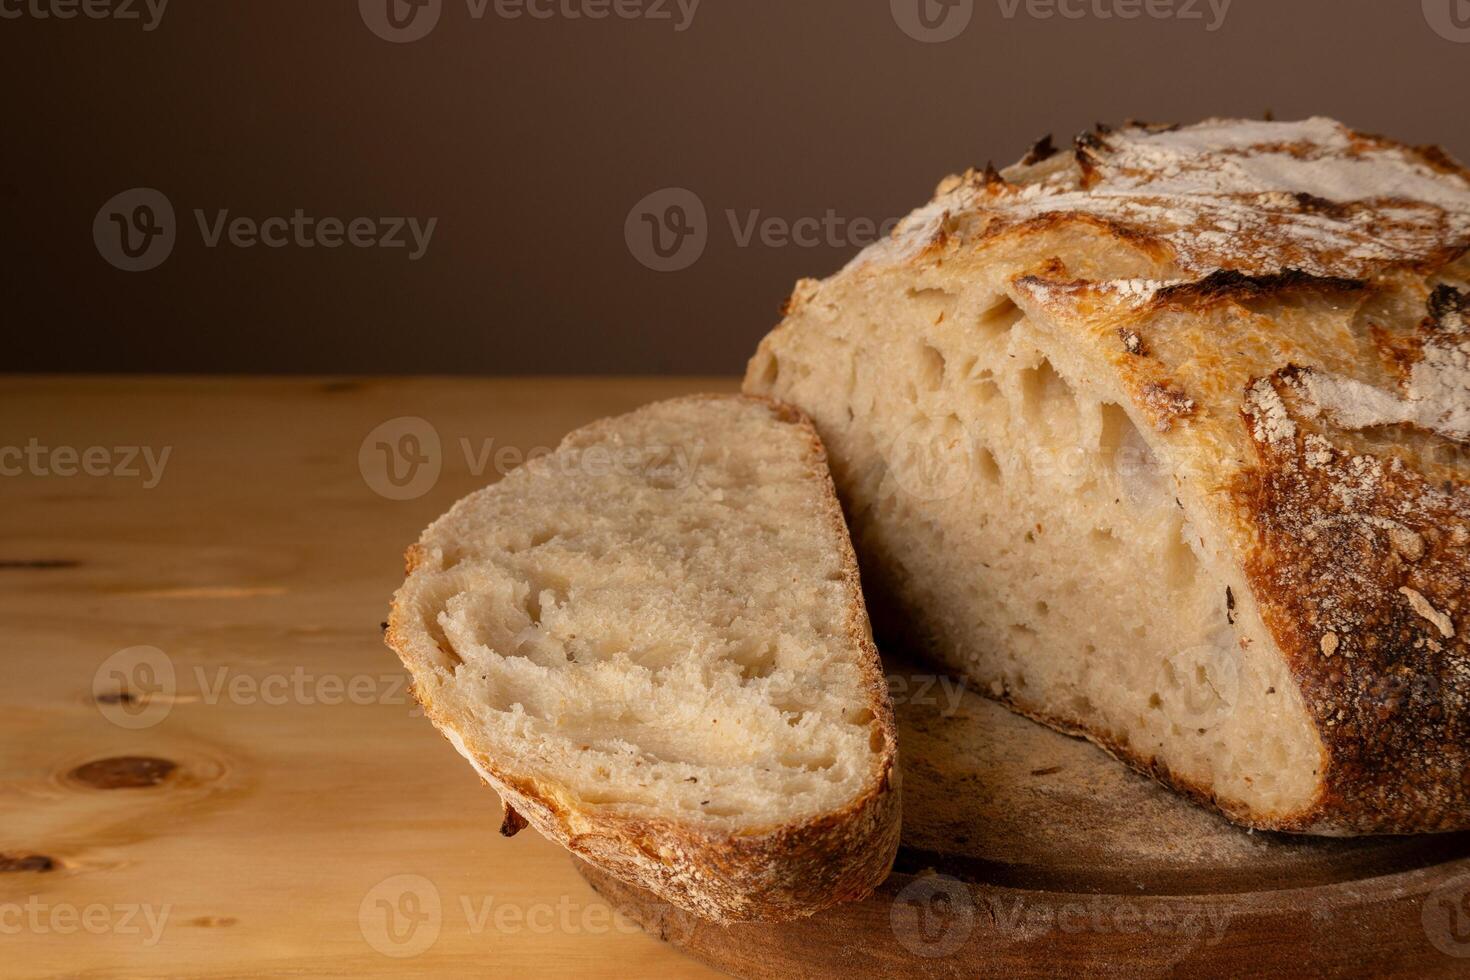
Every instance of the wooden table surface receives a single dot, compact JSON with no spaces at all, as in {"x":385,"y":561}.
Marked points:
{"x":211,"y":766}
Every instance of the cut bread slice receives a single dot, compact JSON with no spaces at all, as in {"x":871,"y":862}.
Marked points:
{"x":653,"y":644}
{"x":1162,"y":441}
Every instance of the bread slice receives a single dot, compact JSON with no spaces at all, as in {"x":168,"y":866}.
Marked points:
{"x":1162,"y":440}
{"x":653,"y":645}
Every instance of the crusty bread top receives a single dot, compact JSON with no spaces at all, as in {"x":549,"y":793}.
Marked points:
{"x":1225,"y":194}
{"x":1285,"y":305}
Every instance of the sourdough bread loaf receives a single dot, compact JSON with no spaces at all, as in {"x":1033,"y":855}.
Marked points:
{"x":653,"y":645}
{"x":1161,"y":439}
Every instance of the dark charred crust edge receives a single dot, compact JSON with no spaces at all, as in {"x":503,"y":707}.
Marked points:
{"x":513,"y":823}
{"x":1042,"y":149}
{"x":1230,"y":284}
{"x":1225,"y":284}
{"x":1312,"y":204}
{"x":1445,"y":301}
{"x":1087,"y":150}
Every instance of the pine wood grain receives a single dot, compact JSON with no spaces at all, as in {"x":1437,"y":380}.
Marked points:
{"x":265,"y":818}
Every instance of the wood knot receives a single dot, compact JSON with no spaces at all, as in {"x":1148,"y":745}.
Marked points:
{"x":213,"y":921}
{"x":124,"y":772}
{"x":27,"y":862}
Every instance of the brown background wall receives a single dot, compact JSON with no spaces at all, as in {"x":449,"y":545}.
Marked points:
{"x":530,"y":141}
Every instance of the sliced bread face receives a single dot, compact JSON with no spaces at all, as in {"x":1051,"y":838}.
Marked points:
{"x":653,"y":644}
{"x":1164,"y":442}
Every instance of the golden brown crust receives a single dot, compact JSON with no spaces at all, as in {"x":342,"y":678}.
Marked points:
{"x":786,"y":873}
{"x":1361,"y":567}
{"x":781,"y":873}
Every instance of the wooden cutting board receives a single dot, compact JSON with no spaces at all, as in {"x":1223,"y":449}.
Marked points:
{"x":1029,"y":853}
{"x":209,"y":766}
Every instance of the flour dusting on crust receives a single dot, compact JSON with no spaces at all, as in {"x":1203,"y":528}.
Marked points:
{"x":1436,"y":393}
{"x":1253,"y":197}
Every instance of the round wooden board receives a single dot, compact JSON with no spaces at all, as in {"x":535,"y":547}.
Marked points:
{"x":1029,"y":853}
